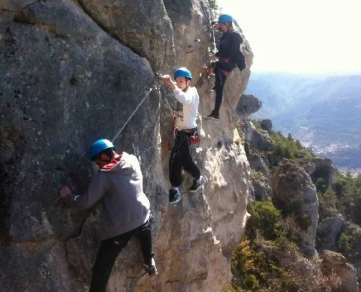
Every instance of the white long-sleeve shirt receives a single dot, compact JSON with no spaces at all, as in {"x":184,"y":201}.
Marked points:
{"x":190,"y":100}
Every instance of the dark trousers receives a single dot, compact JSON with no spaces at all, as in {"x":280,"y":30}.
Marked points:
{"x":220,"y":81}
{"x":110,"y":249}
{"x":180,"y":157}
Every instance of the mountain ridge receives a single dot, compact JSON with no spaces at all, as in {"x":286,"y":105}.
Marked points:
{"x":319,"y":111}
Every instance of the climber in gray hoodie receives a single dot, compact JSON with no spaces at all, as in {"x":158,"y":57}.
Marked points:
{"x":125,"y":209}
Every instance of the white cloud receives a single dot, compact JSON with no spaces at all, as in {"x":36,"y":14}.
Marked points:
{"x":308,"y":36}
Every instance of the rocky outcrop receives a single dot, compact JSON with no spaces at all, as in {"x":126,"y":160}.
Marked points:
{"x":73,"y":72}
{"x":335,"y":264}
{"x":295,"y":194}
{"x":258,"y":139}
{"x":247,"y":105}
{"x":329,"y":231}
{"x":261,"y":188}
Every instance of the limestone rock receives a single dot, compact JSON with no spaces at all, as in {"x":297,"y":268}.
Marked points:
{"x":259,"y":163}
{"x":191,"y":32}
{"x":328,"y":232}
{"x":144,"y":26}
{"x":70,"y":78}
{"x":295,"y":194}
{"x":333,"y":262}
{"x":261,"y":189}
{"x":247,"y":105}
{"x":258,"y":139}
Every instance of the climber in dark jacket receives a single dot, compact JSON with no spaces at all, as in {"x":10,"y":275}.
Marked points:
{"x":125,"y":209}
{"x":229,"y":55}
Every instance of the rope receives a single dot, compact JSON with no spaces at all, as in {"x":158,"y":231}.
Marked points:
{"x":116,"y":136}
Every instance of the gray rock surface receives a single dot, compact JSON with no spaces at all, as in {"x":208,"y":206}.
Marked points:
{"x":247,"y":105}
{"x":294,"y":192}
{"x":143,"y":26}
{"x":73,"y":72}
{"x":261,"y":189}
{"x":259,"y":163}
{"x":258,"y":139}
{"x":328,"y":232}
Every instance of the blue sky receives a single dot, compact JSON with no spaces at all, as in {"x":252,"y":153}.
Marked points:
{"x":308,"y":36}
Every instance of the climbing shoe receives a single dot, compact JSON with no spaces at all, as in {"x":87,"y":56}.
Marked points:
{"x":213,"y":115}
{"x":151,"y":269}
{"x":197,"y":184}
{"x":174,"y":196}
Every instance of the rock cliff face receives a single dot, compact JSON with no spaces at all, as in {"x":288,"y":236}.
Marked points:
{"x":73,"y":72}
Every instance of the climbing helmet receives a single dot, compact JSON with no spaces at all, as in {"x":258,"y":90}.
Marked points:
{"x":99,"y":146}
{"x":225,"y":18}
{"x":183,"y":72}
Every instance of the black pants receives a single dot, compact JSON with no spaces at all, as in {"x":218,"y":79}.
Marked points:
{"x":180,"y":157}
{"x":110,"y":249}
{"x":220,"y":81}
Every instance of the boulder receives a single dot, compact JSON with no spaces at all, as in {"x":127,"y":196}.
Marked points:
{"x":247,"y":105}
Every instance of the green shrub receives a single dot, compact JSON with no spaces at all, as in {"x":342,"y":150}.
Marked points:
{"x":320,"y":185}
{"x":329,"y":204}
{"x":265,"y":218}
{"x":349,"y":243}
{"x":348,"y":191}
{"x":288,"y":148}
{"x":253,"y":271}
{"x":258,"y":176}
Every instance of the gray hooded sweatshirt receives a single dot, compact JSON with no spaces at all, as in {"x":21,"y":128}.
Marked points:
{"x":120,"y":185}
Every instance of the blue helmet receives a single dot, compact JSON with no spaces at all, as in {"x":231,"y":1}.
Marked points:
{"x":183,"y":72}
{"x":225,"y":18}
{"x":99,"y":146}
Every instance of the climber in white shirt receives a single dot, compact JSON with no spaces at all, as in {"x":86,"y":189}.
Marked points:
{"x":186,"y":134}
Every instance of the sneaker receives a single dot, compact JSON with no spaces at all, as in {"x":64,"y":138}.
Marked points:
{"x":197,"y":184}
{"x":174,"y":196}
{"x":213,"y":115}
{"x":151,"y":269}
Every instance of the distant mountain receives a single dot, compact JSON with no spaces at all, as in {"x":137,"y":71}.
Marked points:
{"x":322,"y":112}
